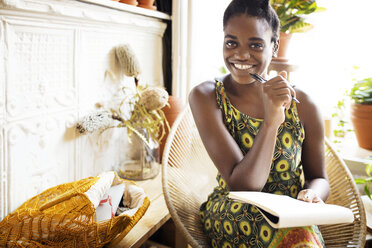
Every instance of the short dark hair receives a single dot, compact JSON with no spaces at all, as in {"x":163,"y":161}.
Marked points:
{"x":255,"y":8}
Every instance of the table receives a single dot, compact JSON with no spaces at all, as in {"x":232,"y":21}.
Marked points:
{"x":156,"y":215}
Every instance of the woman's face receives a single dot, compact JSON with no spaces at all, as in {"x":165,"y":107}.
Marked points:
{"x":247,"y":47}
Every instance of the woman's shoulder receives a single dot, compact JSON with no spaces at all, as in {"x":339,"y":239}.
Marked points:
{"x":307,"y":109}
{"x":306,"y":101}
{"x":205,"y":87}
{"x":203,"y":90}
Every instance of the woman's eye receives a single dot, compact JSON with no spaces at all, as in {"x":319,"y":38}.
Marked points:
{"x":230,"y":44}
{"x":257,"y":46}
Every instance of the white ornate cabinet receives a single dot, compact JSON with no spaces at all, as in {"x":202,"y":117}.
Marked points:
{"x":53,"y":58}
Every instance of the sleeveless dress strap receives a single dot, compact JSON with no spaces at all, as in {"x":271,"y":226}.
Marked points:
{"x":298,"y":130}
{"x":223,"y":101}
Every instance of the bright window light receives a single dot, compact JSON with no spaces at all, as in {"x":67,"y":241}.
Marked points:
{"x":326,"y":55}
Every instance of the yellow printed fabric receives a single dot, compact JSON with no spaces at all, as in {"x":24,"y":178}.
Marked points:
{"x":63,"y":216}
{"x":228,"y":223}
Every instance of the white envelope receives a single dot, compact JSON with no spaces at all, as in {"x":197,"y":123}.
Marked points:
{"x":110,"y":202}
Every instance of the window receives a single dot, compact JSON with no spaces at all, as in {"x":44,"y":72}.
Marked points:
{"x":341,"y":39}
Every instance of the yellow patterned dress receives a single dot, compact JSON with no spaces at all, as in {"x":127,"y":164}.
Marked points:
{"x":229,"y":223}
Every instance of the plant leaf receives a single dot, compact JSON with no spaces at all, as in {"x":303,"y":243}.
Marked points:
{"x":361,"y":92}
{"x":320,"y":9}
{"x":223,"y":70}
{"x":369,"y":169}
{"x":368,"y":193}
{"x":287,"y":23}
{"x":360,"y":181}
{"x":301,"y":27}
{"x":290,"y":12}
{"x":303,"y":4}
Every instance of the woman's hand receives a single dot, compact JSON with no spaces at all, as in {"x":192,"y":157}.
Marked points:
{"x":277,"y":96}
{"x":309,"y":195}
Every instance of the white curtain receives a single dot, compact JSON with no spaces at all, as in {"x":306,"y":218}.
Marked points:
{"x":198,"y":55}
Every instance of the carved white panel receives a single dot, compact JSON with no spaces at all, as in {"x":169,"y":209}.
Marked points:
{"x":3,"y":175}
{"x":53,"y":59}
{"x":41,"y":154}
{"x":100,"y":152}
{"x":2,"y":71}
{"x":151,"y":64}
{"x":94,"y":60}
{"x":40,"y":69}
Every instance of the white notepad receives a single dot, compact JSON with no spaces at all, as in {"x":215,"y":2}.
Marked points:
{"x":283,"y":211}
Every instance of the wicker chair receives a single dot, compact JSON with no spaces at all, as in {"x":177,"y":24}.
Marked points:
{"x":189,"y":176}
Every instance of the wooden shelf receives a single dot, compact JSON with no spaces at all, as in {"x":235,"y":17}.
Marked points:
{"x":354,"y":156}
{"x":156,"y":215}
{"x":129,"y":8}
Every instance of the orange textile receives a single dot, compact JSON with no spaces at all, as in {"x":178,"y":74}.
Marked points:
{"x":304,"y":237}
{"x":63,"y":216}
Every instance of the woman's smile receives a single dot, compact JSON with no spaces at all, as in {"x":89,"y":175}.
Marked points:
{"x":242,"y":66}
{"x":247,"y":47}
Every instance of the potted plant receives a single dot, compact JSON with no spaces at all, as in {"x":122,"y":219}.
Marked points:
{"x":292,"y":14}
{"x":148,"y":4}
{"x":361,"y":112}
{"x":130,"y":2}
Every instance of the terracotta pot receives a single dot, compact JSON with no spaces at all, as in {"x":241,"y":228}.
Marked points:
{"x":148,"y":4}
{"x":284,"y":39}
{"x":361,"y":117}
{"x":130,"y":2}
{"x":171,"y":112}
{"x":362,"y":111}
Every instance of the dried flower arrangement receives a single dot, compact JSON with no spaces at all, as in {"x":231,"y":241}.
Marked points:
{"x":145,"y":120}
{"x":145,"y":103}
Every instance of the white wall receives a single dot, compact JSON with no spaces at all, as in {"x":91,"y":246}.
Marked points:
{"x":53,"y":58}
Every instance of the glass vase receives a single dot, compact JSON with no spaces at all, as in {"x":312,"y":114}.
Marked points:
{"x":141,"y":158}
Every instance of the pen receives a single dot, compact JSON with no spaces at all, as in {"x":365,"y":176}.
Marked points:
{"x":262,"y":80}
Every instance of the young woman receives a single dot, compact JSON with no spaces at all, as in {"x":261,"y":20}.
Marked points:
{"x":257,"y":136}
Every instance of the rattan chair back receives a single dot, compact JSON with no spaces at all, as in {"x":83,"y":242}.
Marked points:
{"x":189,"y":176}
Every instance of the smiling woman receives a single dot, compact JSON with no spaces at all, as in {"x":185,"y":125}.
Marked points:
{"x":260,"y":126}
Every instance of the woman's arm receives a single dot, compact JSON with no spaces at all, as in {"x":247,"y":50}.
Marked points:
{"x":316,"y":182}
{"x":249,"y":172}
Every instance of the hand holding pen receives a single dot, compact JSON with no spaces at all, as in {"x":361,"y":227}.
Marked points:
{"x":263,"y":80}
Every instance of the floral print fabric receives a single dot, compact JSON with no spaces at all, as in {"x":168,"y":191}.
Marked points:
{"x":230,"y":223}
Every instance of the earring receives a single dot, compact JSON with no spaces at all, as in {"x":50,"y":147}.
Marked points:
{"x":275,"y":50}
